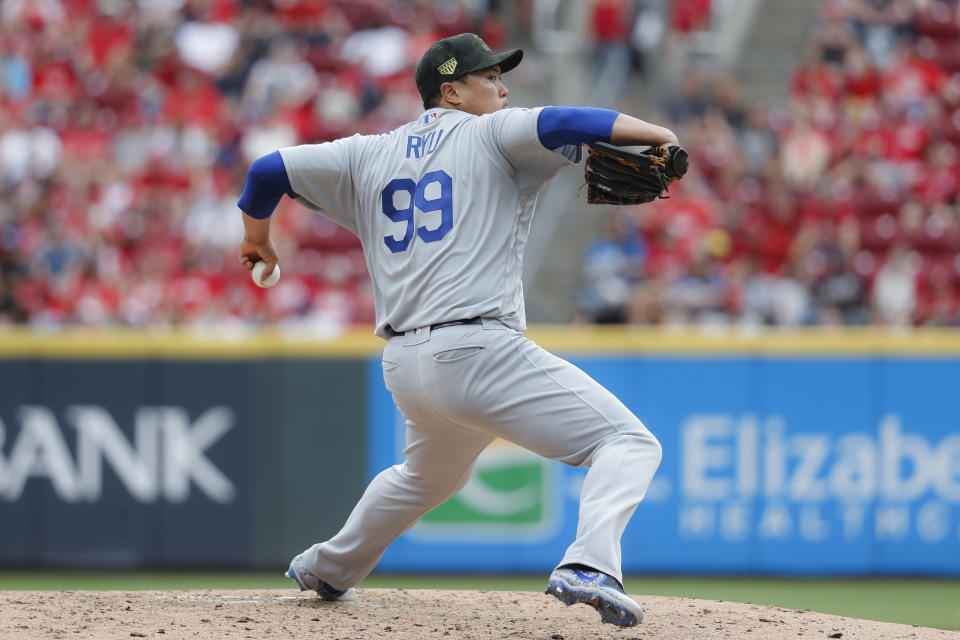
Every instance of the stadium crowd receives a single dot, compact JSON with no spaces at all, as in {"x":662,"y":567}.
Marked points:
{"x":840,"y":208}
{"x":126,"y":129}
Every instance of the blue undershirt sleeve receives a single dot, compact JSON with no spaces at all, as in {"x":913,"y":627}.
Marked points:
{"x":559,"y":126}
{"x":267,"y":181}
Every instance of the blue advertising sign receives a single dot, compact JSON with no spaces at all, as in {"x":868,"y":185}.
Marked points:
{"x":789,"y":465}
{"x":122,"y":463}
{"x":131,"y":462}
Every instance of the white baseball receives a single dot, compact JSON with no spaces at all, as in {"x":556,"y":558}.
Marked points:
{"x":257,"y":273}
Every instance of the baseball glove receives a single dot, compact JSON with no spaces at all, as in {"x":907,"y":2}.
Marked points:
{"x":618,"y":176}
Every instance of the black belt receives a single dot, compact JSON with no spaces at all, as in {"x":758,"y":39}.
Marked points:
{"x":440,"y":325}
{"x":453,"y":323}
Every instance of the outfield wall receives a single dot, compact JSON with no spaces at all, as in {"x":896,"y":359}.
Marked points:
{"x":174,"y":451}
{"x":824,"y":452}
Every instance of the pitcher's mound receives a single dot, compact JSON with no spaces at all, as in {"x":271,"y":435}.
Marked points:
{"x":395,"y":614}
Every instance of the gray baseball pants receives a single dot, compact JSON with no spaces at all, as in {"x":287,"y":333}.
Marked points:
{"x":459,"y":388}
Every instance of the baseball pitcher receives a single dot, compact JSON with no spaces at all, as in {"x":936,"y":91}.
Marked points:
{"x":443,"y":206}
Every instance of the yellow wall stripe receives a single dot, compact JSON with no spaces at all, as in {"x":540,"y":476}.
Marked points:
{"x":16,"y":342}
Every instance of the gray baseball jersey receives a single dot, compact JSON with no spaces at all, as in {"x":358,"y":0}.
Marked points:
{"x":442,"y":206}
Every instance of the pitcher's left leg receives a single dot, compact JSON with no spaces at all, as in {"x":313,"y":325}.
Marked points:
{"x":621,"y":469}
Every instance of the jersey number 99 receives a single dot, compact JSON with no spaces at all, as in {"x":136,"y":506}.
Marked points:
{"x":418,"y":199}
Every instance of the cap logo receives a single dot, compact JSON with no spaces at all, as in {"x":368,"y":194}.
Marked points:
{"x":483,"y":44}
{"x":448,"y":67}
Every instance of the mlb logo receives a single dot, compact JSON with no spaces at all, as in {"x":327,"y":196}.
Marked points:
{"x":426,"y":118}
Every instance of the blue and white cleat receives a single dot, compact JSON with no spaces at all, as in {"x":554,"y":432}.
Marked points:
{"x":599,"y":590}
{"x":306,"y":579}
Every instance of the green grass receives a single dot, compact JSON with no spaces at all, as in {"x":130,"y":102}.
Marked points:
{"x":926,"y":602}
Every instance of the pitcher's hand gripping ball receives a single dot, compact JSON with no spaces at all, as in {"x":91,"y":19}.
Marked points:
{"x":257,"y":274}
{"x":618,"y":176}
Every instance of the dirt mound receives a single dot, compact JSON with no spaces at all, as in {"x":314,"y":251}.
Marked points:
{"x":395,"y":614}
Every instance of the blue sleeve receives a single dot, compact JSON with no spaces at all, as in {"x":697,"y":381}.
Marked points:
{"x":267,"y":181}
{"x":559,"y":126}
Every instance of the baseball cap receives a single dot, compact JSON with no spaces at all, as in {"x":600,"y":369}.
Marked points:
{"x":456,"y":56}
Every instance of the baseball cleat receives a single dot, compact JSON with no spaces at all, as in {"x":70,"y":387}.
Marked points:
{"x":599,"y":590}
{"x":305,"y":579}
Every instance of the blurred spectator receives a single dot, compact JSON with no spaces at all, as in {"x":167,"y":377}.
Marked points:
{"x":610,"y":25}
{"x":698,"y":294}
{"x":646,"y":36}
{"x":611,"y":267}
{"x":804,"y":153}
{"x":840,"y":293}
{"x":878,"y":24}
{"x":692,"y":101}
{"x":833,"y":37}
{"x":204,"y":42}
{"x":282,"y":78}
{"x":773,"y":299}
{"x":267,"y":135}
{"x":27,"y":149}
{"x":15,"y":73}
{"x":10,"y":311}
{"x":757,"y":140}
{"x":690,"y":15}
{"x":894,"y":290}
{"x":911,"y":79}
{"x":382,"y":52}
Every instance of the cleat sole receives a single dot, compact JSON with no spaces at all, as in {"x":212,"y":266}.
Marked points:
{"x":609,"y":612}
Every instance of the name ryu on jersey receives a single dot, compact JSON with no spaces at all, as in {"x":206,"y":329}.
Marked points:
{"x":422,"y":146}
